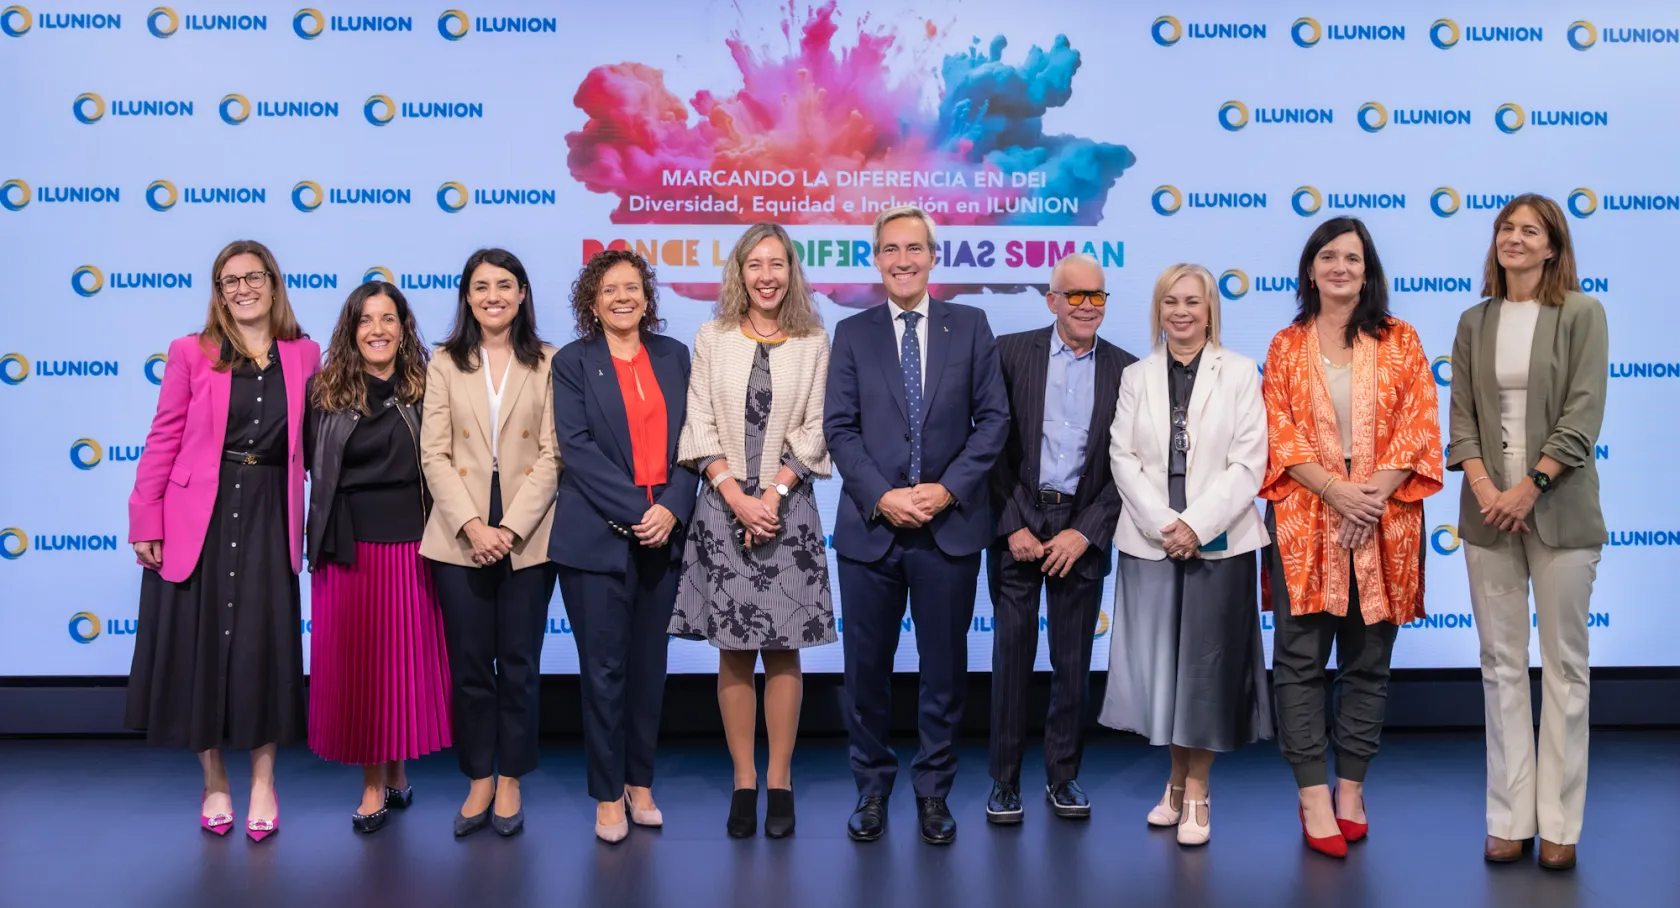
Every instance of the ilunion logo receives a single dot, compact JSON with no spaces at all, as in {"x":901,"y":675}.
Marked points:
{"x":1583,"y":202}
{"x":161,"y":195}
{"x":13,"y":543}
{"x":1166,"y":199}
{"x":1166,"y":31}
{"x":154,"y":367}
{"x":87,"y":280}
{"x":1444,"y":33}
{"x":453,"y":24}
{"x":1233,"y":115}
{"x":15,"y":21}
{"x":1233,"y":284}
{"x":84,"y":627}
{"x":308,"y":23}
{"x":86,"y":453}
{"x":234,"y":108}
{"x":14,"y":368}
{"x":1306,"y":200}
{"x":307,"y":195}
{"x":379,"y":273}
{"x":162,"y":22}
{"x":1444,"y":201}
{"x":1509,"y":118}
{"x":88,"y":107}
{"x":1581,"y":34}
{"x":14,"y":195}
{"x":1306,"y":31}
{"x":1441,"y":368}
{"x":1372,"y":116}
{"x":452,"y":197}
{"x":1444,"y":539}
{"x":379,"y":109}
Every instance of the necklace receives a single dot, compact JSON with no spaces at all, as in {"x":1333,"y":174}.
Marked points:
{"x":766,"y":335}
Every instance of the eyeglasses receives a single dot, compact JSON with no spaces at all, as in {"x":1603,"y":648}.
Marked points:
{"x":256,"y":280}
{"x":1079,"y":298}
{"x":1181,"y":432}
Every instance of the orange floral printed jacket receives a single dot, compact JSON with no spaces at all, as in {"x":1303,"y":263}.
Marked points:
{"x":1396,"y":426}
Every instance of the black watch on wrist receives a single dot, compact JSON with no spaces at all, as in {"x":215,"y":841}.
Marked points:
{"x":1541,"y":480}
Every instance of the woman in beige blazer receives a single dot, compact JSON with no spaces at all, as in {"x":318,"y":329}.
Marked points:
{"x":491,"y":460}
{"x":755,"y":571}
{"x":1530,"y":368}
{"x":1188,"y":450}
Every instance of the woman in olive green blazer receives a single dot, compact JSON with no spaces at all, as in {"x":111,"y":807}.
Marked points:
{"x":1530,"y":368}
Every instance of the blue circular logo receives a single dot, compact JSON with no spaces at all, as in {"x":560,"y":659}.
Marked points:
{"x":88,"y":107}
{"x":1583,"y":202}
{"x":13,"y":543}
{"x":15,"y":21}
{"x":1444,"y":33}
{"x":1166,"y":200}
{"x":1581,"y":34}
{"x":86,"y":453}
{"x":1233,"y":284}
{"x":1509,"y":118}
{"x":379,"y":109}
{"x":1166,"y":31}
{"x":84,"y":627}
{"x":453,"y":24}
{"x":1233,"y":115}
{"x":1306,"y":31}
{"x":452,"y":197}
{"x":162,"y":22}
{"x":1306,"y":200}
{"x":161,"y":195}
{"x":1444,"y":539}
{"x":154,"y":367}
{"x":307,"y":195}
{"x":87,"y":280}
{"x":1372,"y":116}
{"x":14,"y":195}
{"x":307,"y":23}
{"x":14,"y":368}
{"x":1441,"y":368}
{"x":379,"y":273}
{"x":1444,"y":201}
{"x":234,"y":108}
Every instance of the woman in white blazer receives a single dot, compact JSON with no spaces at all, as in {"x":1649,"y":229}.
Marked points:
{"x":1188,"y":449}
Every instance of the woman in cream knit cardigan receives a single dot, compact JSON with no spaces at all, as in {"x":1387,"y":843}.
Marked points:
{"x":755,"y":572}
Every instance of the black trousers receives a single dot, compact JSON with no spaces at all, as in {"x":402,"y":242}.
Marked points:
{"x":621,"y":623}
{"x":493,"y":622}
{"x":1073,"y":603}
{"x":941,"y":590}
{"x":1300,"y":652}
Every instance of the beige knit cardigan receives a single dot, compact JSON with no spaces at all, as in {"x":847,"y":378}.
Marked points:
{"x":717,"y":401}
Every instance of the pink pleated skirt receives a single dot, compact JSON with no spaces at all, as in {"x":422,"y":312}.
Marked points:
{"x":379,"y":674}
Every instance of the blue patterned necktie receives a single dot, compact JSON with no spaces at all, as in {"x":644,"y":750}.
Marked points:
{"x":910,"y":357}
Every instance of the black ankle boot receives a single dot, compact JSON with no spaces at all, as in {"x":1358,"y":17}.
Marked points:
{"x":743,"y":813}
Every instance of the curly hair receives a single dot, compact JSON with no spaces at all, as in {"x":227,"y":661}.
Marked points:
{"x":798,"y":317}
{"x":339,"y":385}
{"x":587,"y":288}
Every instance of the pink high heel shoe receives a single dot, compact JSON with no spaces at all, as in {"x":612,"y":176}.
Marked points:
{"x":218,"y":823}
{"x":262,"y":829}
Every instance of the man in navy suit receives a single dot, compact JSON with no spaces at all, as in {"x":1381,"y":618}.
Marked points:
{"x":915,"y":417}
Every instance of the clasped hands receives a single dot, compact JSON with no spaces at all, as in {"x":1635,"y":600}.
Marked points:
{"x":1508,"y":510}
{"x":489,"y":544}
{"x":760,"y":516}
{"x":914,"y":506}
{"x":1361,"y":505}
{"x":1059,"y":552}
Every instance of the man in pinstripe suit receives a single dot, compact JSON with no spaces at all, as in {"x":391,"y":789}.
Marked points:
{"x":1057,"y":506}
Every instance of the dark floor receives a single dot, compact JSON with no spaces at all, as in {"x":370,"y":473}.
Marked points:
{"x":114,"y":823}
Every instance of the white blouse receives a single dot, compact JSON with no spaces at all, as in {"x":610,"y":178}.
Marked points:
{"x":1510,"y":369}
{"x":494,"y":395}
{"x":1340,"y":381}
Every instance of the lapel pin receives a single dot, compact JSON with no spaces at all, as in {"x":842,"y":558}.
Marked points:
{"x":599,"y":372}
{"x":946,"y":328}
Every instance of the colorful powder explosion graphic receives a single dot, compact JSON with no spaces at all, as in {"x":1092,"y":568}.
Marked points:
{"x":816,"y":131}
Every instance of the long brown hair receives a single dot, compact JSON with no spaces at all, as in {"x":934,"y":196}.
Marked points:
{"x":219,"y":331}
{"x":339,"y":385}
{"x":798,"y":317}
{"x":1557,"y":276}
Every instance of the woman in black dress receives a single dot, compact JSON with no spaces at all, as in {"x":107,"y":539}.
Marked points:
{"x":216,"y":518}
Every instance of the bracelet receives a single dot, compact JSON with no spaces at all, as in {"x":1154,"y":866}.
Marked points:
{"x":1479,"y":479}
{"x":721,"y":478}
{"x":1327,"y":487}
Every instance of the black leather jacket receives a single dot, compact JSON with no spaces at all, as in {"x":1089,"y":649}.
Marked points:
{"x":325,"y":435}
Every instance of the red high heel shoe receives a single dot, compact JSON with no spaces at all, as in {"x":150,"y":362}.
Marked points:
{"x":217,"y":823}
{"x":1335,"y":846}
{"x":1352,"y":831}
{"x":262,"y":829}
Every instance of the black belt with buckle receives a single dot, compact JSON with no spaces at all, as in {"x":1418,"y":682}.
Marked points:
{"x":1053,"y":497}
{"x":252,"y":458}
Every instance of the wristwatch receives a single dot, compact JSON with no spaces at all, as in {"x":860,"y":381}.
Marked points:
{"x":781,"y":489}
{"x":1541,"y":480}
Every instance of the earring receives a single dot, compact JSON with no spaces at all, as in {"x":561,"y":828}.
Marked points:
{"x":1311,"y":282}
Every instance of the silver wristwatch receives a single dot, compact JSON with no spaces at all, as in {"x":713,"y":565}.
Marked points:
{"x":781,"y":490}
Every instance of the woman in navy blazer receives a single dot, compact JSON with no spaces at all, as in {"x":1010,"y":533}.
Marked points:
{"x":620,"y":398}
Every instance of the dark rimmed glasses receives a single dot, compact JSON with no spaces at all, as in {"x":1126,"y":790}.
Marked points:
{"x":256,"y":280}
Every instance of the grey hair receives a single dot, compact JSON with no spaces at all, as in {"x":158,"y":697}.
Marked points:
{"x":903,"y":211}
{"x":1056,"y":272}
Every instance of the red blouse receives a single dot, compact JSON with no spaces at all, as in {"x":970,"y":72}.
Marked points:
{"x":645,"y":405}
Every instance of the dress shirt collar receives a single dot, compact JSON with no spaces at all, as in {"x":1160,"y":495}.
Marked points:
{"x":921,"y":309}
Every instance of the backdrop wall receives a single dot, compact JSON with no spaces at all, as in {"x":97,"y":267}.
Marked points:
{"x":381,"y":139}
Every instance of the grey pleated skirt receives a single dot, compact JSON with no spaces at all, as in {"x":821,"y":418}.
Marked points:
{"x":1185,"y":662}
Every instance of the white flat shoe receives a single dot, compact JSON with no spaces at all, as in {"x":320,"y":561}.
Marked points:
{"x":1163,"y":814}
{"x":1189,"y":831}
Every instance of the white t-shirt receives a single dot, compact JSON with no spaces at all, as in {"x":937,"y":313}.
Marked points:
{"x":1512,"y":348}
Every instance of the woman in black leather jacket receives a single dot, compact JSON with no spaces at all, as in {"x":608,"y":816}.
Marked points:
{"x":379,"y":679}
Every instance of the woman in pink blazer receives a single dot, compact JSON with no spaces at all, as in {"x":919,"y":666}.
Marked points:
{"x":216,"y":519}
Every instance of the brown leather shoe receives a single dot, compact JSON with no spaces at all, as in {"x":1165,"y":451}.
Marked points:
{"x":1505,"y":851}
{"x":1556,"y":857}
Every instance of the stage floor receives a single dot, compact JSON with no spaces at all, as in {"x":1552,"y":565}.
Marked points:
{"x":113,"y":823}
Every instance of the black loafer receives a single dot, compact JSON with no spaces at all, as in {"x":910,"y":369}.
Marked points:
{"x":869,"y":819}
{"x":938,"y":826}
{"x":1067,"y":799}
{"x":465,"y":825}
{"x":743,"y":813}
{"x":778,"y":816}
{"x":1003,"y":808}
{"x":506,"y":826}
{"x":369,"y":822}
{"x":399,"y":799}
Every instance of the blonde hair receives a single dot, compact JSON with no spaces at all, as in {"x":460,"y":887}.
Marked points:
{"x":218,"y":324}
{"x":798,"y":317}
{"x":899,"y":213}
{"x":1164,"y":285}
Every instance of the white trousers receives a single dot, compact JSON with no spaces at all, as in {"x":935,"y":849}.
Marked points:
{"x":1521,"y":802}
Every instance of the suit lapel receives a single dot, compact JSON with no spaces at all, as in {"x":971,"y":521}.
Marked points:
{"x":517,"y":377}
{"x":291,"y":372}
{"x":938,"y":345}
{"x":891,"y":370}
{"x":602,"y":377}
{"x":667,"y":371}
{"x":1486,"y":390}
{"x":1206,"y":375}
{"x":1540,"y":366}
{"x":1035,"y":378}
{"x":1156,"y":401}
{"x":478,"y":398}
{"x":221,"y":389}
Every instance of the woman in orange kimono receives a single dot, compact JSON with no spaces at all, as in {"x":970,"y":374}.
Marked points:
{"x":1355,"y":446}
